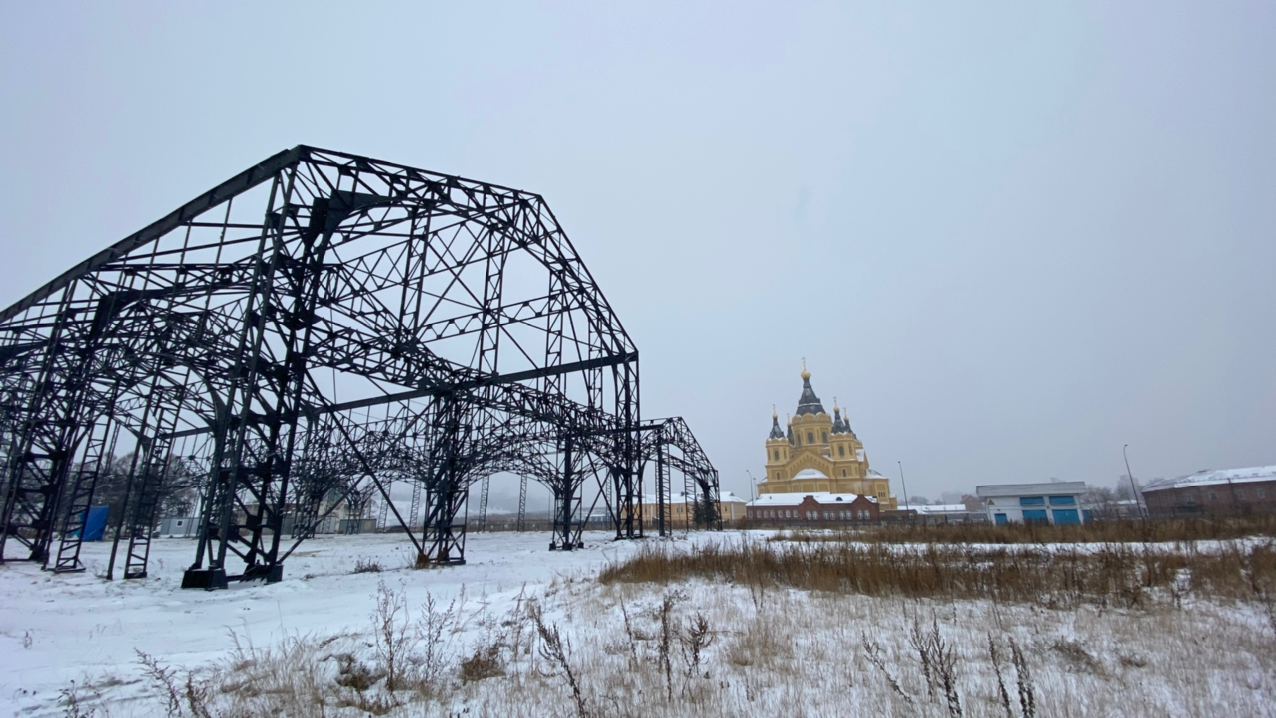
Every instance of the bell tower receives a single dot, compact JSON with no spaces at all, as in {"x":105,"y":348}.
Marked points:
{"x":777,"y":450}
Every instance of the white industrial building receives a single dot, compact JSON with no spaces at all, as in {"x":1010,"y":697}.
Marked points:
{"x":1057,"y":503}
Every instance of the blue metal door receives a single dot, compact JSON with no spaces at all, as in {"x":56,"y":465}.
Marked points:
{"x":1066,"y":517}
{"x":1035,"y":516}
{"x":999,"y":519}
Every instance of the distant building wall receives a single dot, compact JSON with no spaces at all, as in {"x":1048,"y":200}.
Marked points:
{"x":179,"y":526}
{"x":942,"y":514}
{"x":1239,"y":498}
{"x":680,"y":511}
{"x":810,"y":512}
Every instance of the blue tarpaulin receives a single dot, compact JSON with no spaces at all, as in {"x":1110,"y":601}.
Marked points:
{"x":95,"y":523}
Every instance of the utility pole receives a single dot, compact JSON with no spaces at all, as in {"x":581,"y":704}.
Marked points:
{"x":902,"y":482}
{"x":752,"y":481}
{"x":1138,"y":504}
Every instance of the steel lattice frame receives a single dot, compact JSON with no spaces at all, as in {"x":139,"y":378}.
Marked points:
{"x":669,"y":447}
{"x":314,"y":325}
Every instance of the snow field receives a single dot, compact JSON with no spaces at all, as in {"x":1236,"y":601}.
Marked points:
{"x":308,"y":645}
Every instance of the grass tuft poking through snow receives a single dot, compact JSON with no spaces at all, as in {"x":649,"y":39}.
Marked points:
{"x":366,"y":565}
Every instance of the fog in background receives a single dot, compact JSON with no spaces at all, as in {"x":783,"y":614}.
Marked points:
{"x":1009,"y":238}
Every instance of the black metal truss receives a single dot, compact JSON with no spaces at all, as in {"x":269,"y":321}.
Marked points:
{"x":319,"y":324}
{"x":672,"y":449}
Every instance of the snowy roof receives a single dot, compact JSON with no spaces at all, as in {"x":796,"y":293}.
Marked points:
{"x":1053,"y":487}
{"x":795,"y":498}
{"x":677,"y":497}
{"x":810,"y":474}
{"x":934,"y":508}
{"x":1215,"y":477}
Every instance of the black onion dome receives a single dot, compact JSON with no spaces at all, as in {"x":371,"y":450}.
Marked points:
{"x":839,"y":426}
{"x":776,"y":431}
{"x":809,"y":403}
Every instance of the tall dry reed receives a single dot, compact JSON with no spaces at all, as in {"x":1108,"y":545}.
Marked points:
{"x":1061,"y":577}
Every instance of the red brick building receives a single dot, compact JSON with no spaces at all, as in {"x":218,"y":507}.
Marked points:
{"x":1219,"y":492}
{"x":814,"y":509}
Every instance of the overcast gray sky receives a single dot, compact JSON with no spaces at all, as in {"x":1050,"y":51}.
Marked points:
{"x":1010,"y":237}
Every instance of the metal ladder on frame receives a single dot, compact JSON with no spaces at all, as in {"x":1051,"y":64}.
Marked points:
{"x":97,"y":452}
{"x":148,"y":500}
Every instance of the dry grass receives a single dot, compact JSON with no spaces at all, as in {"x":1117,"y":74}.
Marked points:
{"x":1117,"y":574}
{"x":485,"y":662}
{"x":366,"y":565}
{"x":1126,"y":531}
{"x":808,"y":629}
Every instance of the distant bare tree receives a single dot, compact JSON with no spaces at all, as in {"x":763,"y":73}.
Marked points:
{"x":1122,"y":488}
{"x":1101,"y":500}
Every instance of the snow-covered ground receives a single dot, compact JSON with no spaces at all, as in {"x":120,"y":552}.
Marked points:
{"x":59,"y":628}
{"x":773,"y":652}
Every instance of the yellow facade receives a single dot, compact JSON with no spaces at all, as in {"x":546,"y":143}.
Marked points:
{"x":820,"y":453}
{"x":681,"y":512}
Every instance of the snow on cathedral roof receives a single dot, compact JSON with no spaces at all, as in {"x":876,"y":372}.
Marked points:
{"x":1215,"y":477}
{"x":810,"y":474}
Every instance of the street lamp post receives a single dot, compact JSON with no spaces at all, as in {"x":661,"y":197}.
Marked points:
{"x":902,"y":482}
{"x":1133,"y":488}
